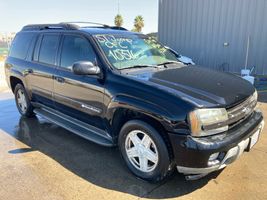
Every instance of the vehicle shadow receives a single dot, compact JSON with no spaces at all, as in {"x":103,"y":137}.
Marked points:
{"x":99,"y":165}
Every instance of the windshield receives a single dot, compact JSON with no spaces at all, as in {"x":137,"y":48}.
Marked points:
{"x":126,"y":51}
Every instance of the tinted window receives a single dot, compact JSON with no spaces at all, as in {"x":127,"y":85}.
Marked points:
{"x":36,"y":48}
{"x":75,"y":49}
{"x":48,"y":49}
{"x":20,"y":45}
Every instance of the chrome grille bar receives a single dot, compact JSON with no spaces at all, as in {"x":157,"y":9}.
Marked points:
{"x":236,"y":114}
{"x":241,"y":110}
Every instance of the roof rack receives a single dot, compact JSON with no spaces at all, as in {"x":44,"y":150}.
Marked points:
{"x":86,"y":24}
{"x":50,"y":26}
{"x":118,"y":28}
{"x":68,"y":26}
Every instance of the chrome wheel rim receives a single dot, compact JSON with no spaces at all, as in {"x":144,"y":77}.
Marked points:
{"x":21,"y":99}
{"x":141,"y":151}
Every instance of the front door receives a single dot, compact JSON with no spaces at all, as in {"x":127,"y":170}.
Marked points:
{"x":78,"y":96}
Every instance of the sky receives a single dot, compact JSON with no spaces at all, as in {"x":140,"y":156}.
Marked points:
{"x":14,"y":14}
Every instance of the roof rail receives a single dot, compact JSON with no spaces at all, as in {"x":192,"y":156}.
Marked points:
{"x":50,"y":26}
{"x":118,"y":28}
{"x":68,"y":26}
{"x":84,"y":23}
{"x":87,"y":25}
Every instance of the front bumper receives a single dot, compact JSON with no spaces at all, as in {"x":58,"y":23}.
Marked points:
{"x":192,"y":155}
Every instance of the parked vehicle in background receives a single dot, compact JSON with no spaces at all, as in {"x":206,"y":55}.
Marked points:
{"x":119,"y":88}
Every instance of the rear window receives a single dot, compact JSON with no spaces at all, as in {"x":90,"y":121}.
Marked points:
{"x":20,"y":45}
{"x":48,"y":49}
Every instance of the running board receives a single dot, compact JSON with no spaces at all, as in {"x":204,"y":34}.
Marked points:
{"x":76,"y":126}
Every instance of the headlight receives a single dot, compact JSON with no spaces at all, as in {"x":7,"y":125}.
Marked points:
{"x":255,"y":99}
{"x":255,"y":96}
{"x":204,"y":122}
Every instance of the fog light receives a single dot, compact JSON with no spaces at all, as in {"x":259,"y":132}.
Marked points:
{"x":213,"y":156}
{"x":213,"y":159}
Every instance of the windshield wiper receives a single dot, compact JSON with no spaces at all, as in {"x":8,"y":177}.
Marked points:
{"x":169,"y":62}
{"x":154,"y":66}
{"x":139,"y":66}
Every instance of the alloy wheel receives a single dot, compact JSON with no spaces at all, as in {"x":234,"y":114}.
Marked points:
{"x":141,"y":151}
{"x":22,"y":102}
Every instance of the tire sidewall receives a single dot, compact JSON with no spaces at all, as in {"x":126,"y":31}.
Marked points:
{"x":163,"y":163}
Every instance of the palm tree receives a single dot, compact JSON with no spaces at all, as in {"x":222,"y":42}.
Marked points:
{"x":118,"y":21}
{"x":138,"y":23}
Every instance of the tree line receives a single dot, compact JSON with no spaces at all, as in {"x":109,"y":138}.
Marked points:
{"x":138,"y":22}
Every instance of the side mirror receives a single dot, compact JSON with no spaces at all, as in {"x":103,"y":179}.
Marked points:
{"x":85,"y":68}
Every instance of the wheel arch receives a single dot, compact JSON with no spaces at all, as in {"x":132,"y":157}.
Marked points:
{"x":120,"y":112}
{"x":14,"y":80}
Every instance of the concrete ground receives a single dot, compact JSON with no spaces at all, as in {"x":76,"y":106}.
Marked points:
{"x":40,"y":160}
{"x":3,"y":84}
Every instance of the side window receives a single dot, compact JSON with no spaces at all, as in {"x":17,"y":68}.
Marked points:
{"x":48,"y":49}
{"x":36,"y":48}
{"x":75,"y":49}
{"x":20,"y":45}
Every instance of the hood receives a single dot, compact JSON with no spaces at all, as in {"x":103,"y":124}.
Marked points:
{"x":200,"y":86}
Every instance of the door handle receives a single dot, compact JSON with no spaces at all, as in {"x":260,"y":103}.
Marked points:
{"x":59,"y":79}
{"x":28,"y":71}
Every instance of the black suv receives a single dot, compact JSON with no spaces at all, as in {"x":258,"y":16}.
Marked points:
{"x":116,"y":87}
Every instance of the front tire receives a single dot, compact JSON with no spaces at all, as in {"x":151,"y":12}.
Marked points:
{"x":144,"y":151}
{"x":22,"y":101}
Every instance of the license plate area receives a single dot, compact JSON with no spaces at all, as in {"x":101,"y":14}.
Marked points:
{"x":254,"y":139}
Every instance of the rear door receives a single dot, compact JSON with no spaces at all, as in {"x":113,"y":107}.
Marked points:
{"x":78,"y":96}
{"x":43,"y":68}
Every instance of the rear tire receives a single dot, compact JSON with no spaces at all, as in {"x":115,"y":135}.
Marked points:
{"x":22,"y":101}
{"x":144,"y":151}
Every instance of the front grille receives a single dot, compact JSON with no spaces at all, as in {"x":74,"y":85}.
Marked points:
{"x":240,"y":112}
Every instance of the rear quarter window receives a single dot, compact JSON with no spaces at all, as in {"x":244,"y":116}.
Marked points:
{"x":20,"y":45}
